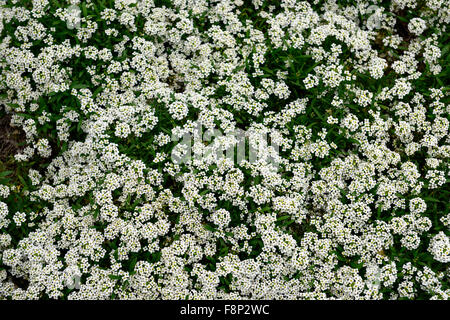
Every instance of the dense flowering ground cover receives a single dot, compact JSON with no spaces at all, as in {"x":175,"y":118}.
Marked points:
{"x":118,"y":114}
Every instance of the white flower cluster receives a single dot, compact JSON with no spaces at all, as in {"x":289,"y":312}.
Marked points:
{"x":417,"y":26}
{"x":354,"y":209}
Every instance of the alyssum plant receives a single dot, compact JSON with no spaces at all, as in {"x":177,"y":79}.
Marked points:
{"x":345,"y":198}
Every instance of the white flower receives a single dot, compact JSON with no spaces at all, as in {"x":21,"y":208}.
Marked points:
{"x":417,"y":26}
{"x":440,"y":247}
{"x":221,"y":217}
{"x":178,"y":110}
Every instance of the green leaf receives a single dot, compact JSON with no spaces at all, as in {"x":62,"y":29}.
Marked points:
{"x":209,"y":228}
{"x":5,"y":173}
{"x":79,"y":86}
{"x":133,"y":262}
